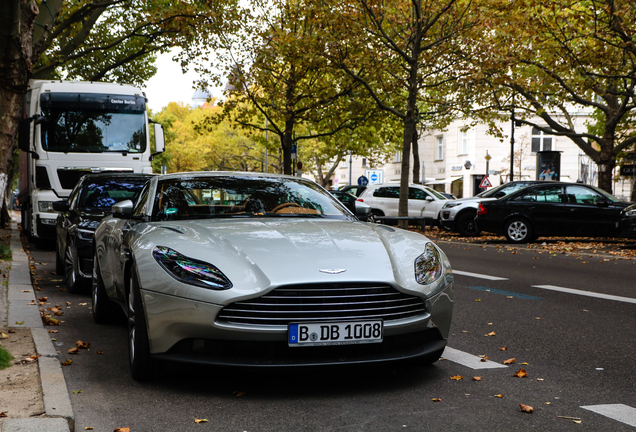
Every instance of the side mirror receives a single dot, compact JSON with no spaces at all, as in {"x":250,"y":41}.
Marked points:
{"x":160,"y":144}
{"x":123,"y":209}
{"x":61,"y":206}
{"x":24,"y":134}
{"x":429,"y":199}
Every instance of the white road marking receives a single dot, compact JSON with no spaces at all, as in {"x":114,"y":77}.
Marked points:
{"x":619,"y":412}
{"x":477,"y":275}
{"x":587,"y":293}
{"x":469,"y":360}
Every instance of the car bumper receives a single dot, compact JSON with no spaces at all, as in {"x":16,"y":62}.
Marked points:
{"x":627,"y":227}
{"x":187,"y":330}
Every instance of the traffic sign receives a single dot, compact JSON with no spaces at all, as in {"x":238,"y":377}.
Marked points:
{"x":363,"y":181}
{"x":485,"y":183}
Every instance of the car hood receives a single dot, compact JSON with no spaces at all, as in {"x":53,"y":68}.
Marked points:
{"x":255,"y":254}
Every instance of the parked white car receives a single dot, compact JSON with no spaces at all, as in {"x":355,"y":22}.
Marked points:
{"x":384,"y":199}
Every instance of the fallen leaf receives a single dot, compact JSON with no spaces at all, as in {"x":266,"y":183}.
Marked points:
{"x":68,"y":362}
{"x":540,"y":379}
{"x":53,"y":331}
{"x":477,"y":378}
{"x":485,"y":359}
{"x":100,"y":352}
{"x":77,"y":391}
{"x":83,"y":304}
{"x":499,"y":396}
{"x":436,"y":399}
{"x":503,"y":348}
{"x":68,"y":303}
{"x":124,"y":429}
{"x":526,"y":408}
{"x":83,"y":345}
{"x":73,"y":351}
{"x":11,"y":331}
{"x":510,"y":361}
{"x":200,"y":420}
{"x":477,"y":300}
{"x":525,"y":363}
{"x":456,"y":377}
{"x":89,"y":428}
{"x":521,"y":373}
{"x":577,"y":421}
{"x":2,"y":414}
{"x":43,"y":299}
{"x":490,"y":334}
{"x":19,"y":323}
{"x":3,"y":336}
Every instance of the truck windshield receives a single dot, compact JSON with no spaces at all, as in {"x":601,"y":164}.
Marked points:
{"x":80,"y":123}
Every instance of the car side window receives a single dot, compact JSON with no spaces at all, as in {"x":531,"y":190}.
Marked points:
{"x":141,"y":201}
{"x":417,"y":194}
{"x":582,"y":195}
{"x":72,"y":200}
{"x":551,"y":194}
{"x":387,"y":192}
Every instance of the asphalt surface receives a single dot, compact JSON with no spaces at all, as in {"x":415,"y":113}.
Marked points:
{"x":579,"y":352}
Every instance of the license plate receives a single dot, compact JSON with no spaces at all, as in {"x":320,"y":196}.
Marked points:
{"x":335,"y":333}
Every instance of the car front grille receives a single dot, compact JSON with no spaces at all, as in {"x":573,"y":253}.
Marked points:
{"x":324,"y":302}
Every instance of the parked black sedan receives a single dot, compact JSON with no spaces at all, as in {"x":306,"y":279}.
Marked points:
{"x":552,"y":209}
{"x":360,"y":209}
{"x":627,"y":224}
{"x":79,"y":216}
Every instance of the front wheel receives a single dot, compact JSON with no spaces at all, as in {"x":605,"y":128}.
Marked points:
{"x":518,"y":230}
{"x":141,"y":364}
{"x":465,"y":225}
{"x":73,"y":280}
{"x":103,"y":310}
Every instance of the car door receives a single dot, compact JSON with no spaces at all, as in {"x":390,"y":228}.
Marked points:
{"x":422,"y":204}
{"x":543,"y":206}
{"x":387,"y":199}
{"x":590,"y":213}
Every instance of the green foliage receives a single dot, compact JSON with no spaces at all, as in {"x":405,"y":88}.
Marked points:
{"x":5,"y":253}
{"x":5,"y":358}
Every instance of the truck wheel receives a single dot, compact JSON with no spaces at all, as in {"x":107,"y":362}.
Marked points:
{"x":465,"y":225}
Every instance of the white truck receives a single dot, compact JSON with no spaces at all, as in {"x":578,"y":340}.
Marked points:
{"x":75,"y":128}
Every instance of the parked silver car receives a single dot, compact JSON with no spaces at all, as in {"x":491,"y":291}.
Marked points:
{"x":459,"y":215}
{"x":384,"y":199}
{"x":250,"y":269}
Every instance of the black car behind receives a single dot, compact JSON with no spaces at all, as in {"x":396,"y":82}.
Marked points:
{"x":79,"y":216}
{"x":552,"y":209}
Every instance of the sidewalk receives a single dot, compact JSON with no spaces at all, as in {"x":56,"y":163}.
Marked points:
{"x":59,"y":415}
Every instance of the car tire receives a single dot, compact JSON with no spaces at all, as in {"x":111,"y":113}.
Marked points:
{"x":103,"y":309}
{"x":518,"y":230}
{"x":59,"y":262}
{"x":73,"y":280}
{"x":465,"y":225}
{"x":371,"y":218}
{"x":142,"y":366}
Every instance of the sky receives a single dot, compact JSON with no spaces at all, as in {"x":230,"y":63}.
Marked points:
{"x":170,"y":84}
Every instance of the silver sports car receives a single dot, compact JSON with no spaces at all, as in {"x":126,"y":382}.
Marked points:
{"x":251,"y":269}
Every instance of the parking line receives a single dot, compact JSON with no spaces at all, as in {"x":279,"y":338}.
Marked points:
{"x":619,"y":412}
{"x":469,"y":360}
{"x":477,"y":275}
{"x":506,"y":293}
{"x":587,"y":293}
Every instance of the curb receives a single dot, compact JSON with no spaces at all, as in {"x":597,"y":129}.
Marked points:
{"x":57,"y":404}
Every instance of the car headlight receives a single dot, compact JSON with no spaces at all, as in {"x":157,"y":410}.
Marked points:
{"x":428,"y":266}
{"x":450,"y":205}
{"x":630,"y":213}
{"x":46,"y":207}
{"x":190,"y":271}
{"x":86,"y":235}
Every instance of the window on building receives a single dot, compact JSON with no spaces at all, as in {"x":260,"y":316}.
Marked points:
{"x":364,"y":162}
{"x":541,"y":140}
{"x":439,"y":148}
{"x":463,"y":143}
{"x":397,"y":157}
{"x":343,"y":163}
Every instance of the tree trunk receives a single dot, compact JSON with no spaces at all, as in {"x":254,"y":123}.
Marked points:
{"x":16,"y":45}
{"x":287,"y":142}
{"x":416,"y":158}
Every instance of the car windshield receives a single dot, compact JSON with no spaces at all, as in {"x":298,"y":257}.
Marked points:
{"x":242,"y":197}
{"x":436,"y":194}
{"x":506,"y":188}
{"x":103,"y":193}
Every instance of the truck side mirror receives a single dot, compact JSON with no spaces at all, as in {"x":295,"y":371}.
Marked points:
{"x":160,"y":143}
{"x":24,"y":134}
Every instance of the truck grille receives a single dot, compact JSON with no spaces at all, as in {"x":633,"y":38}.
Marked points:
{"x":69,"y":176}
{"x":324,"y":302}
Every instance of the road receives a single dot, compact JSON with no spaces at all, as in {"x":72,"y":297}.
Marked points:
{"x":577,"y":350}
